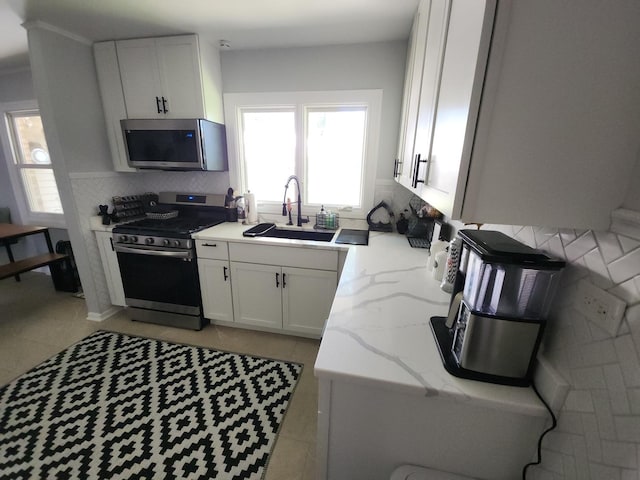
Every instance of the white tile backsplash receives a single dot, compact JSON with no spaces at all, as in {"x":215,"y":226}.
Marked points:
{"x":627,"y":243}
{"x":580,"y":246}
{"x":625,"y":267}
{"x":609,"y":245}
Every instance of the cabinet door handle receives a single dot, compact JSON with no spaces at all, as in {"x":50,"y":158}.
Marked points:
{"x":164,"y":105}
{"x":415,"y":182}
{"x":209,"y":244}
{"x":158,"y":105}
{"x":395,"y":168}
{"x":277,"y":280}
{"x":224,"y":272}
{"x":284,"y":280}
{"x":111,"y":242}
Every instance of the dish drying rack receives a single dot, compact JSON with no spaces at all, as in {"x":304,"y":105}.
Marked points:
{"x":327,"y":220}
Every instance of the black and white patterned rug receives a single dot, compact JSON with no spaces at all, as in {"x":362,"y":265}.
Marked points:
{"x":116,"y":406}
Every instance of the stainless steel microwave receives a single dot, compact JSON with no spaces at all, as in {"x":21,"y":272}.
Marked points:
{"x":175,"y":144}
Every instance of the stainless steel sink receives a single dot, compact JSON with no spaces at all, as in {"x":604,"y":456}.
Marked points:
{"x":271,"y":231}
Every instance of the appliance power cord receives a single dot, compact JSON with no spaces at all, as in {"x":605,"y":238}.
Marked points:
{"x":554,"y":423}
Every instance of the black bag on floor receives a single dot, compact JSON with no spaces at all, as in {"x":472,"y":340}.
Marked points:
{"x":65,"y":274}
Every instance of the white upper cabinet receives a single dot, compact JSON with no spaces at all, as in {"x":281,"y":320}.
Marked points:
{"x":454,"y":108}
{"x":536,"y":112}
{"x":438,"y":15}
{"x":164,"y":77}
{"x":403,"y":167}
{"x":161,"y":77}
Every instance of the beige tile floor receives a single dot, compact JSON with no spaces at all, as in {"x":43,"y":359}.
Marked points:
{"x":37,"y":322}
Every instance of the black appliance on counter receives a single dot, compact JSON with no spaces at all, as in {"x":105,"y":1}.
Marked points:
{"x":157,"y":258}
{"x":501,"y":298}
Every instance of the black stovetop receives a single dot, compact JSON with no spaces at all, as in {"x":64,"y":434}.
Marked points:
{"x":182,"y":226}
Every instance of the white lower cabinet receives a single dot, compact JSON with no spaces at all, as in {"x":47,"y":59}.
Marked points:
{"x":307,"y":296}
{"x":283,"y":288}
{"x":215,"y":288}
{"x":296,"y":300}
{"x":256,"y":294}
{"x":111,"y":268}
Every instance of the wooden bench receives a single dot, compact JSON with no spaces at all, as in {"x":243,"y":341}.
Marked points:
{"x":10,"y":232}
{"x":15,"y":268}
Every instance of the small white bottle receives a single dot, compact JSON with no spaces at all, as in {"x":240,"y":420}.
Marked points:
{"x":436,"y":247}
{"x":439,"y":264}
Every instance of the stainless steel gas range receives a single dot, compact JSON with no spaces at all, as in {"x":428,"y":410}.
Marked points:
{"x":157,"y":258}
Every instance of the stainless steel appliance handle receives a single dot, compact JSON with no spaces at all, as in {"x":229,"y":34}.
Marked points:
{"x":158,"y":253}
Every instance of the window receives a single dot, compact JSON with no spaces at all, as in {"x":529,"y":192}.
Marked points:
{"x":327,"y":139}
{"x":29,"y":164}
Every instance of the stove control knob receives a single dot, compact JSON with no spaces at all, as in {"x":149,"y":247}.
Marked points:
{"x":149,"y":241}
{"x":166,"y":242}
{"x":176,"y":243}
{"x":123,"y":238}
{"x":134,"y":239}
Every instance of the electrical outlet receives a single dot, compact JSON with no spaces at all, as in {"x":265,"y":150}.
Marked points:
{"x":599,"y":306}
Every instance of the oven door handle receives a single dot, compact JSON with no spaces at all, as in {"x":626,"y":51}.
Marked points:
{"x":158,"y":253}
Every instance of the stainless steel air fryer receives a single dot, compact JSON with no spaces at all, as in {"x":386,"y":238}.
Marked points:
{"x":501,"y":298}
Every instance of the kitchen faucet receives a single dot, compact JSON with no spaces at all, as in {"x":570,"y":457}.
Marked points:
{"x":285,"y":203}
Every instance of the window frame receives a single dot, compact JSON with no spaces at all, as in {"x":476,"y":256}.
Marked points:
{"x":24,"y":214}
{"x":235,"y":103}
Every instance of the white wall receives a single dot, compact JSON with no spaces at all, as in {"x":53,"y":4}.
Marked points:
{"x":339,"y":67}
{"x":632,"y":200}
{"x":66,"y":88}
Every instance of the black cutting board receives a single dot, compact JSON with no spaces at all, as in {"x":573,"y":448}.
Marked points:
{"x":353,"y":237}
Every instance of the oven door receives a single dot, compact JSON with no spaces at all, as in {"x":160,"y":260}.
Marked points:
{"x":160,"y":279}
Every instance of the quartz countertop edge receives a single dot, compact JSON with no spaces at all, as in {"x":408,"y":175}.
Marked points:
{"x":378,"y":332}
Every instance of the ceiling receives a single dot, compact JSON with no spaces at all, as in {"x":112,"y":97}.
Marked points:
{"x":246,"y":24}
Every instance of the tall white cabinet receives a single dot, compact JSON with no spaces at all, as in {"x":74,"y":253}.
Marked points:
{"x":536,"y":105}
{"x":163,"y":77}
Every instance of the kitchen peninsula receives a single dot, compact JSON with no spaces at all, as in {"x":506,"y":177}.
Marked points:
{"x":385,"y":399}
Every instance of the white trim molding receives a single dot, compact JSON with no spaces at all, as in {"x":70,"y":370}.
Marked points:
{"x":99,"y":317}
{"x":28,"y":25}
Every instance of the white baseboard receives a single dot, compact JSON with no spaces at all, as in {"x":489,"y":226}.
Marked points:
{"x":99,"y":317}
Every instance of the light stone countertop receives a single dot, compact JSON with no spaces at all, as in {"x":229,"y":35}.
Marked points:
{"x":378,"y":331}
